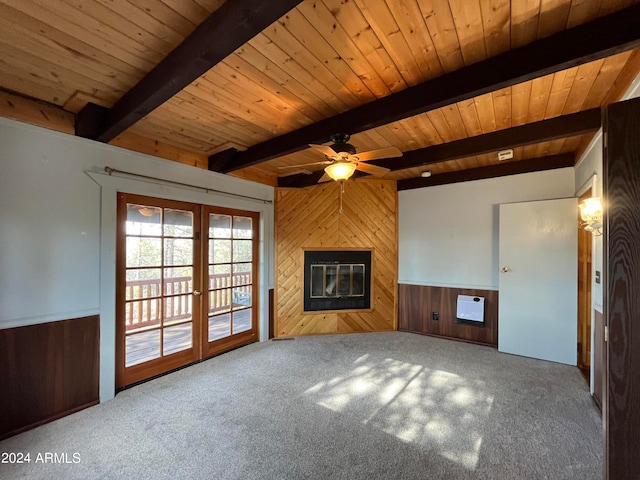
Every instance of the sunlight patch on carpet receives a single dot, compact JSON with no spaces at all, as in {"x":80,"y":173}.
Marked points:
{"x":432,"y":409}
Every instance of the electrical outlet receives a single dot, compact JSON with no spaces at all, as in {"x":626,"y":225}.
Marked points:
{"x":435,"y":316}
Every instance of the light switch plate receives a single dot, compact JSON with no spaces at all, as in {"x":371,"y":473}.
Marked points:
{"x":597,"y":276}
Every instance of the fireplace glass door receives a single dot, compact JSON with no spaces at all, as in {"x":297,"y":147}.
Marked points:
{"x":337,"y":281}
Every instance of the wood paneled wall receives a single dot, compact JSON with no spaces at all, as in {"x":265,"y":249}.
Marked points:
{"x":47,"y":371}
{"x":417,"y":304}
{"x":310,"y":218}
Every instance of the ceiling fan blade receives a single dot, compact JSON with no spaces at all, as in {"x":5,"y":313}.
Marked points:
{"x":389,"y":152}
{"x":325,"y":149}
{"x":324,"y":178}
{"x":372,"y":169}
{"x":323,"y":162}
{"x":302,"y":171}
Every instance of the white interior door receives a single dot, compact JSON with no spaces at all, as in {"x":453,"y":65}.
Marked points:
{"x":538,"y":280}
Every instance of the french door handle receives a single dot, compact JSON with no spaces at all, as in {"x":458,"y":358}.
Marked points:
{"x":197,"y":293}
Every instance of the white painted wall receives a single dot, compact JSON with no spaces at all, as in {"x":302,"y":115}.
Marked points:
{"x":589,"y":175}
{"x":58,"y":224}
{"x":448,"y":234}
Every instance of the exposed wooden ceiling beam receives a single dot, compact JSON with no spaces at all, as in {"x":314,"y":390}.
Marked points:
{"x":300,"y":180}
{"x":228,"y":28}
{"x":599,"y":38}
{"x":500,"y":170}
{"x":542,"y":131}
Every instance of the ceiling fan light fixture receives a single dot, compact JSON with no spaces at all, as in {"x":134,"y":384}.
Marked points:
{"x":146,"y":211}
{"x":340,"y":170}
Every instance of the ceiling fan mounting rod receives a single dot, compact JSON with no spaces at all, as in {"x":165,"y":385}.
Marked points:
{"x":340,"y":137}
{"x":340,"y":143}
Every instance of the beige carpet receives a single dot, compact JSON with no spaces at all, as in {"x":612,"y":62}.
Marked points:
{"x":368,"y":406}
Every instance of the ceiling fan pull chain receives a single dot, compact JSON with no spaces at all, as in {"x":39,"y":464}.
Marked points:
{"x":341,"y":192}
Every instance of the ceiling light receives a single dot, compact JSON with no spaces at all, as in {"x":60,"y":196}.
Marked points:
{"x":426,"y":173}
{"x":340,"y":170}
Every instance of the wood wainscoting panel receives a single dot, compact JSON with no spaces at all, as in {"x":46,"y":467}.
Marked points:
{"x":271,"y":313}
{"x":309,"y":218}
{"x":600,"y":359}
{"x":48,"y":371}
{"x":417,"y":304}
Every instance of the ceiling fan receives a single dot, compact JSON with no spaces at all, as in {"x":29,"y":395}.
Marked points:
{"x":342,"y":160}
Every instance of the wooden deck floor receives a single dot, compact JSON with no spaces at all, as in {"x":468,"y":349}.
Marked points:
{"x":144,"y":346}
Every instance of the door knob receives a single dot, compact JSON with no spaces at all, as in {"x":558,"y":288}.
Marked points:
{"x":197,"y":293}
{"x":504,"y":269}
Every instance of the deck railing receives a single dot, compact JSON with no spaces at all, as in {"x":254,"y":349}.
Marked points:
{"x":223,"y":290}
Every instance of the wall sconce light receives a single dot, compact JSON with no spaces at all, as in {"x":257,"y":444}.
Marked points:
{"x":340,"y":170}
{"x":591,"y":215}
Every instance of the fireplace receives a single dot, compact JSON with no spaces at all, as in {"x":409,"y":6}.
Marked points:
{"x":337,"y":280}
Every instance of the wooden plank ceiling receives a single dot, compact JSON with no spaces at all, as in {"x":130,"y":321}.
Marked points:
{"x":321,"y":59}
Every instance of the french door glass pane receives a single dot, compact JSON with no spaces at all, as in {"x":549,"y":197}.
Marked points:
{"x":242,"y":227}
{"x":178,"y":251}
{"x":241,"y":297}
{"x":219,"y":251}
{"x":178,"y":223}
{"x":241,"y":274}
{"x":219,"y":276}
{"x":219,"y":326}
{"x":144,"y":220}
{"x":143,"y":283}
{"x":178,"y":280}
{"x":142,"y":347}
{"x":220,"y":300}
{"x":177,"y":309}
{"x":177,"y":338}
{"x":241,"y":320}
{"x":144,"y":252}
{"x":142,"y":314}
{"x":219,"y":226}
{"x":242,"y":250}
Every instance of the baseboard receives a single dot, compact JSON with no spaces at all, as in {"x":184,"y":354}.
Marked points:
{"x":444,"y":337}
